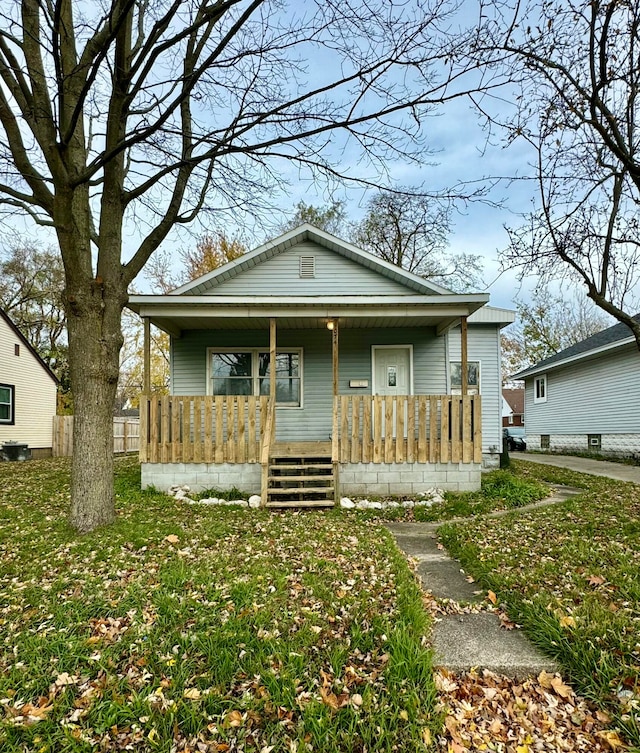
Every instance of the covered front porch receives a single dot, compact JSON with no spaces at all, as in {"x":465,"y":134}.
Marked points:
{"x":347,"y":435}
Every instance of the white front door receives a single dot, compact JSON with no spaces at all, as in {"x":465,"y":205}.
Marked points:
{"x":392,"y":370}
{"x":392,"y":376}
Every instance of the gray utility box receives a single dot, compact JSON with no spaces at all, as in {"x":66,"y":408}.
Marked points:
{"x":15,"y":451}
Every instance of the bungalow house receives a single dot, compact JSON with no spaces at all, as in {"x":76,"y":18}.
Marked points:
{"x":27,"y":392}
{"x":587,"y":397}
{"x":384,"y":382}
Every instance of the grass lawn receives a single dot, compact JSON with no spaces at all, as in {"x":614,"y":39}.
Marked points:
{"x":570,"y":574}
{"x":188,"y":628}
{"x":501,"y":490}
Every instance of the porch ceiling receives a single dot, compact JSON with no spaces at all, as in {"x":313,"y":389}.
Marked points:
{"x":177,"y":313}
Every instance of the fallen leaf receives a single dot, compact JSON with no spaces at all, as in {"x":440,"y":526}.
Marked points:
{"x":611,"y":738}
{"x":567,"y":621}
{"x":172,"y":538}
{"x":561,"y":689}
{"x":595,"y":580}
{"x":233,"y":719}
{"x":545,"y":678}
{"x":492,"y":597}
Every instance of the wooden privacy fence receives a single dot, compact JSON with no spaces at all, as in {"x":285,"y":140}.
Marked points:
{"x":202,"y":429}
{"x":408,"y":429}
{"x":126,"y":435}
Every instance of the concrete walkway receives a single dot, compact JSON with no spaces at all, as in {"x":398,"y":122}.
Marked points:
{"x":606,"y":468}
{"x":469,"y":638}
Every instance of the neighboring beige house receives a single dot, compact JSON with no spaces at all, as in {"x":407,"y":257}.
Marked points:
{"x":27,"y":392}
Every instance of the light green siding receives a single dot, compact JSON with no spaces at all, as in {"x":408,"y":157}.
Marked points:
{"x":334,"y":275}
{"x":483,"y":345}
{"x":313,"y":420}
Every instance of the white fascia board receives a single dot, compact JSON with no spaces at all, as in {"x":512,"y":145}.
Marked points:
{"x":147,"y":305}
{"x":328,"y":312}
{"x":533,"y":370}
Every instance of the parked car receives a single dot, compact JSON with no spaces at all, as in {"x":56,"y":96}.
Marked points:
{"x":515,"y":438}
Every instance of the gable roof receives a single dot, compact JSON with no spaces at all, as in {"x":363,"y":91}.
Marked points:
{"x":306,"y":232}
{"x":27,"y":344}
{"x":612,"y":337}
{"x":515,"y":400}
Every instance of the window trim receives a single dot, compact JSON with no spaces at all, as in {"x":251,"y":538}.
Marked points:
{"x":459,"y":389}
{"x":255,"y":376}
{"x":12,"y":406}
{"x":543,"y":380}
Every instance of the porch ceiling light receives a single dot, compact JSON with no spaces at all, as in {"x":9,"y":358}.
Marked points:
{"x":331,"y":324}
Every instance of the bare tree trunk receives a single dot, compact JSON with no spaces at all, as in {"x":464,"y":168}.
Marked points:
{"x":95,"y":339}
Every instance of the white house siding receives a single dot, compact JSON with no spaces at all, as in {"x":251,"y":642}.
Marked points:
{"x":595,"y":396}
{"x":334,"y":275}
{"x":313,"y":420}
{"x":483,"y":344}
{"x":35,"y":393}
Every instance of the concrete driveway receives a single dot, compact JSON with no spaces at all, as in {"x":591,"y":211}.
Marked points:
{"x":617,"y":471}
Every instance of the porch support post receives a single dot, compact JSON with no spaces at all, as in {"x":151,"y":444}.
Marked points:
{"x":463,"y":355}
{"x":146,"y":374}
{"x":272,"y":368}
{"x":270,"y":419}
{"x":334,"y":429}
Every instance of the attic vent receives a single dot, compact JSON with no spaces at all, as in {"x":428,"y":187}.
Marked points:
{"x":307,"y":266}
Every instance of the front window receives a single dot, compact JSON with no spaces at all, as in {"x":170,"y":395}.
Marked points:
{"x":287,"y":377}
{"x":246,"y":372}
{"x":473,"y":377}
{"x":7,"y":403}
{"x":232,"y":374}
{"x":540,"y":389}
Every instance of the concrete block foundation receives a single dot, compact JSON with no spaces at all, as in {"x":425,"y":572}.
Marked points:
{"x":407,"y":478}
{"x":355,"y":478}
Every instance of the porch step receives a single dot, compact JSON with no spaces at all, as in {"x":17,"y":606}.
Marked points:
{"x":302,"y":503}
{"x":286,"y":477}
{"x":300,"y":480}
{"x":300,"y":490}
{"x":297,"y":466}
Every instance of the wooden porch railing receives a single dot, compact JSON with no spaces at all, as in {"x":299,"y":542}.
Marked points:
{"x":370,"y":429}
{"x":202,"y":429}
{"x":408,"y":429}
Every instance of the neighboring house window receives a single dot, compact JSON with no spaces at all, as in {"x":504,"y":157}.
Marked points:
{"x":473,"y":377}
{"x":7,"y":403}
{"x":540,"y":389}
{"x":246,"y":372}
{"x":16,"y":349}
{"x":511,"y":418}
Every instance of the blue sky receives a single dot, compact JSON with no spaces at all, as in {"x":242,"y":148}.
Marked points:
{"x":460,"y":153}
